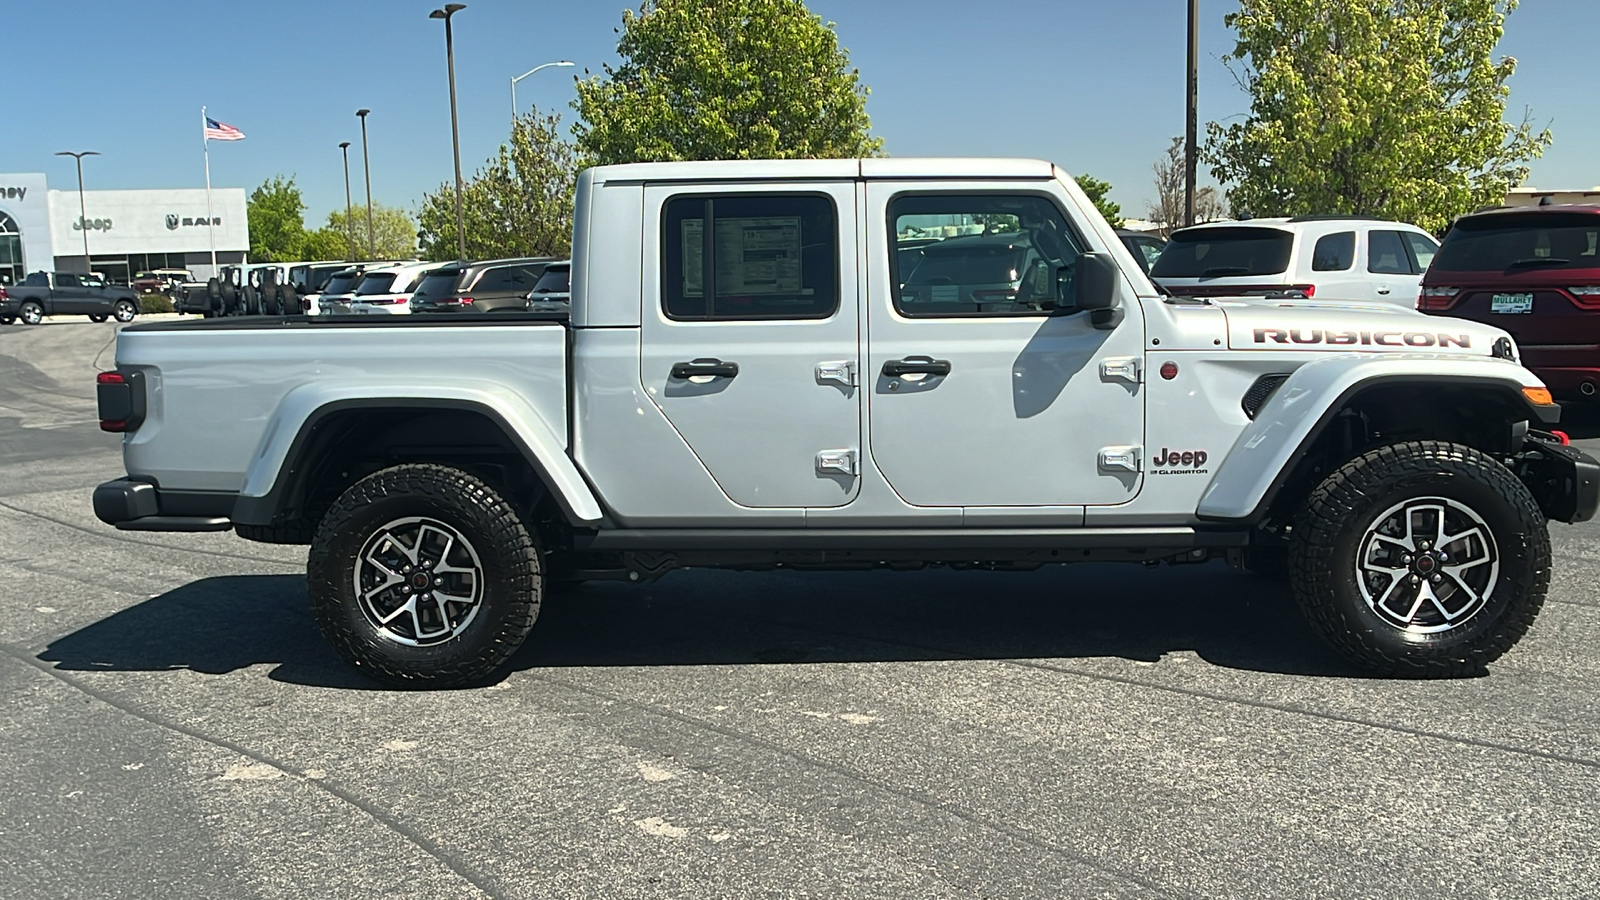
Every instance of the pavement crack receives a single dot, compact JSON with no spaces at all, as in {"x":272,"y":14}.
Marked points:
{"x":914,"y":796}
{"x":484,"y":883}
{"x":1290,"y":709}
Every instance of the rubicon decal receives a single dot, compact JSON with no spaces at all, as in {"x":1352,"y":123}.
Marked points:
{"x":1180,"y":462}
{"x":1361,"y":338}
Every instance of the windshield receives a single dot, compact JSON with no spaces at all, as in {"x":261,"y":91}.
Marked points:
{"x":958,"y":263}
{"x":1533,"y":242}
{"x":555,"y":280}
{"x":340,"y":284}
{"x":438,"y":284}
{"x":376,"y":283}
{"x":1224,"y":252}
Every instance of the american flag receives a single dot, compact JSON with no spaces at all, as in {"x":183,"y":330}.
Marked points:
{"x":221,"y":131}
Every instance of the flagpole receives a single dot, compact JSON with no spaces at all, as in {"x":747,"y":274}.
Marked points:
{"x":211,"y":235}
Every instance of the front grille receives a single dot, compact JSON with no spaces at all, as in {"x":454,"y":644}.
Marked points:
{"x":1259,"y":392}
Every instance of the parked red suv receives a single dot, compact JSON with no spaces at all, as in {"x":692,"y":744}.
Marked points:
{"x":1534,"y":272}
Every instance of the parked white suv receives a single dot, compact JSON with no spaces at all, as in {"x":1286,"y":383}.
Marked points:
{"x":386,"y":291}
{"x":1325,"y":257}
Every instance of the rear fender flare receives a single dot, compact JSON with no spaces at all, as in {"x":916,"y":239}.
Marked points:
{"x":276,"y":461}
{"x":1289,"y":423}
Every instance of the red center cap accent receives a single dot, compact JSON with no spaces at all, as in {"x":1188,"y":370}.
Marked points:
{"x":419,"y":580}
{"x":1425,"y":564}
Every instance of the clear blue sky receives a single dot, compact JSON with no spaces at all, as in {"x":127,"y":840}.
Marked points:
{"x":1094,"y":85}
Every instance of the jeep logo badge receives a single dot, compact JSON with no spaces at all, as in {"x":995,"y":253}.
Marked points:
{"x":1180,"y":462}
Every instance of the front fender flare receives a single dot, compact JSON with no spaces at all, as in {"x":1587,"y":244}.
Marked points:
{"x":275,"y":461}
{"x":1289,"y":423}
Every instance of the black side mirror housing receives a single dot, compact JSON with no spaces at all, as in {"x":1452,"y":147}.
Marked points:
{"x":1094,"y":287}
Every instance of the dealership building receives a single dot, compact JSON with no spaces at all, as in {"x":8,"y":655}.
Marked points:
{"x":128,"y":231}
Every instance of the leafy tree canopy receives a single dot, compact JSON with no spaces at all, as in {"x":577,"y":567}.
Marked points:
{"x":1392,"y":108}
{"x":518,"y":204}
{"x":724,"y":79}
{"x":395,"y":235}
{"x":1098,"y":192}
{"x":277,"y":229}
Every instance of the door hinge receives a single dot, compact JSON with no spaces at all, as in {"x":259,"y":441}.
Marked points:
{"x":837,"y":371}
{"x":1123,"y":458}
{"x":1120,"y":368}
{"x":842,"y":462}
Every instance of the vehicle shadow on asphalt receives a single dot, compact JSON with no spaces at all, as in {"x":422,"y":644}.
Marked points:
{"x":219,"y":625}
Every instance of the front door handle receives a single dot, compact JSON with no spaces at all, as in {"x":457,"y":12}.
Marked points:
{"x":916,"y":365}
{"x":715,"y":368}
{"x":1384,"y":291}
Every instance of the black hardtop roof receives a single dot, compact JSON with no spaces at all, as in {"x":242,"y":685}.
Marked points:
{"x":1566,"y":209}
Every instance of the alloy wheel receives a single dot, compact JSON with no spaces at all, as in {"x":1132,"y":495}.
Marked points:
{"x":1427,"y":565}
{"x":419,"y":581}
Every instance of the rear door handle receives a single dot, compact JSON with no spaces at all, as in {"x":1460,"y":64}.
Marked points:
{"x":715,"y":368}
{"x":1383,"y":290}
{"x":916,"y":365}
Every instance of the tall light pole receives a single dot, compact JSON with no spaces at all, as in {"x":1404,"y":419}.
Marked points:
{"x":349,"y":217}
{"x":449,"y":10}
{"x":525,"y":75}
{"x":366,"y":170}
{"x":83,"y":214}
{"x":1191,"y":151}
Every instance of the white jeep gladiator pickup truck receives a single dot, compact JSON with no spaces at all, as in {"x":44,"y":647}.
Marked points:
{"x":845,"y":364}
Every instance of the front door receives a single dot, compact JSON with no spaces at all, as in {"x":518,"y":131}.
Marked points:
{"x":987,"y":388}
{"x":750,"y":342}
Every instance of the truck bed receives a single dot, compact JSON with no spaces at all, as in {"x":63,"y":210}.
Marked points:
{"x":263,"y":376}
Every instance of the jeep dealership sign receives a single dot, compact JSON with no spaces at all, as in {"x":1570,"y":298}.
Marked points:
{"x":174,"y":221}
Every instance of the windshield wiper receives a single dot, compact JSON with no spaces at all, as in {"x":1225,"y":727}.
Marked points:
{"x":1538,"y":261}
{"x":1226,"y":270}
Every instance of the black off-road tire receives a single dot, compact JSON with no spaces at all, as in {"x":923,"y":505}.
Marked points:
{"x":1342,"y":515}
{"x":512,"y":576}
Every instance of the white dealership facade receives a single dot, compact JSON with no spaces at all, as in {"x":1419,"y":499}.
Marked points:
{"x":128,"y":231}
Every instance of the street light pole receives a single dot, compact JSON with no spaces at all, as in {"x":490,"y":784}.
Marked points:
{"x":366,"y":170}
{"x":349,"y":217}
{"x":525,"y":75}
{"x":83,"y":214}
{"x":449,"y":10}
{"x":1191,"y":153}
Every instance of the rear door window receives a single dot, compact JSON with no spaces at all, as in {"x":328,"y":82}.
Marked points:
{"x":1228,"y":252}
{"x":1526,"y":242}
{"x":1386,"y":254}
{"x":1334,"y":252}
{"x":67,"y":280}
{"x":763,"y":256}
{"x":1423,"y":249}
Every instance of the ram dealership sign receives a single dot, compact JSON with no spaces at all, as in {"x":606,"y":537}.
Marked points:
{"x":175,"y":221}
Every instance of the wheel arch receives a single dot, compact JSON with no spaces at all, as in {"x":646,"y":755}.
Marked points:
{"x":314,"y":446}
{"x":1330,"y":411}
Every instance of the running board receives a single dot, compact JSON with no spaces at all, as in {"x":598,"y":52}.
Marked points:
{"x":920,"y":539}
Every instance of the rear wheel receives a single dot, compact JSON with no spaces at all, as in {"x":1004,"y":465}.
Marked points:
{"x":424,"y":576}
{"x":7,"y":320}
{"x":31,"y":313}
{"x":99,"y":317}
{"x":1422,"y":560}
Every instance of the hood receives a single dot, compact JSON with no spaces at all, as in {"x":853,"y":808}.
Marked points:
{"x":1339,"y":326}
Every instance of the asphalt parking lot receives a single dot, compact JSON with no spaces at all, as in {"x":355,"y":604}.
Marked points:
{"x":173,"y":726}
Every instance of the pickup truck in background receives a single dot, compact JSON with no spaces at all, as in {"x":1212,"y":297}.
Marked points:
{"x":854,"y":364}
{"x":44,"y":294}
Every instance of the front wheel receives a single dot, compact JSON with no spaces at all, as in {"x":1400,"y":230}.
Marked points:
{"x":124,"y":311}
{"x":1422,"y":560}
{"x":424,"y":576}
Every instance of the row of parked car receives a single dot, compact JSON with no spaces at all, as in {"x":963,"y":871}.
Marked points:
{"x":537,"y":284}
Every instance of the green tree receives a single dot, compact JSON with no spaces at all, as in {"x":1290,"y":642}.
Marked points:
{"x":1098,"y":192}
{"x":724,"y":79}
{"x":395,"y":234}
{"x":328,"y":242}
{"x":518,"y":204}
{"x":277,"y":228}
{"x":1393,"y":108}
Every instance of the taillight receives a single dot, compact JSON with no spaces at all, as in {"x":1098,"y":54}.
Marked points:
{"x":115,"y":400}
{"x":1310,"y":290}
{"x":3,"y":294}
{"x":1437,"y":297}
{"x":1587,"y":296}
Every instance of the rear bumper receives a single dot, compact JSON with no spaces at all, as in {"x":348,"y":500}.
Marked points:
{"x":1568,"y":381}
{"x":131,"y":505}
{"x":1563,"y":479}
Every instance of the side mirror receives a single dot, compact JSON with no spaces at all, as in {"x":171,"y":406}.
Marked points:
{"x":1094,"y":287}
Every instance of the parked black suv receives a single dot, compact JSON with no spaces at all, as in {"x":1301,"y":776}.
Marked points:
{"x":489,"y":285}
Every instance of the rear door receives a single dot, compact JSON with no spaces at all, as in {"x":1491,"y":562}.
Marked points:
{"x":1395,"y":276}
{"x":750,"y":343}
{"x":67,"y":295}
